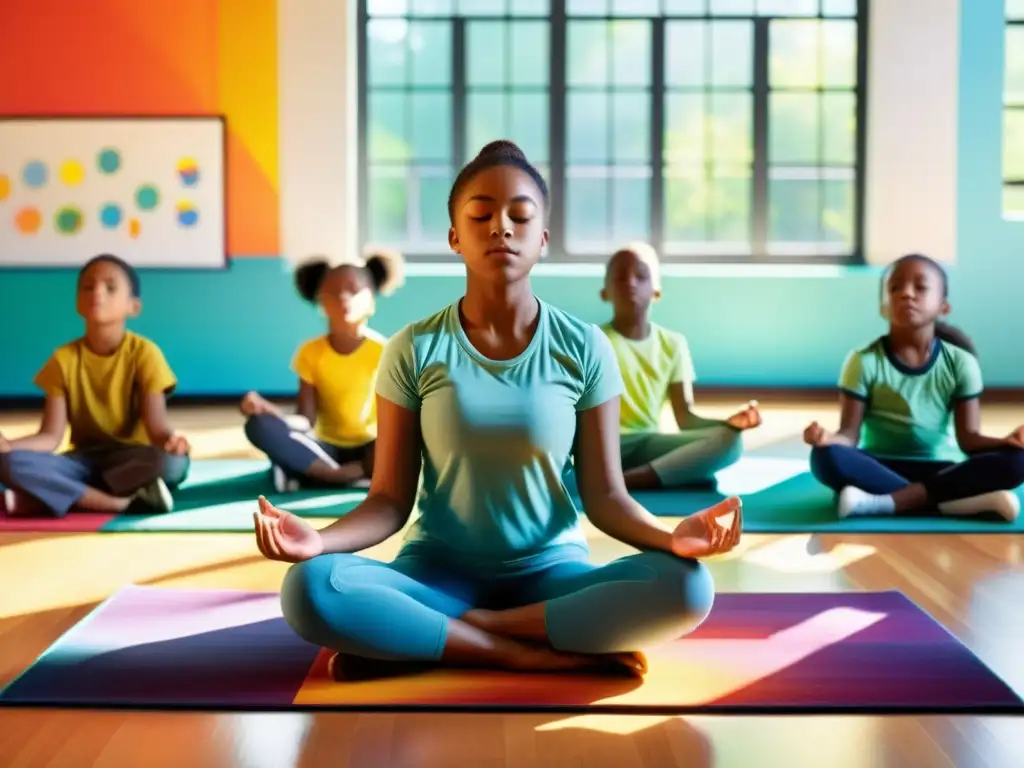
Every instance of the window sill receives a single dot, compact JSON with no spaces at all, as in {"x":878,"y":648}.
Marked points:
{"x":785,"y":271}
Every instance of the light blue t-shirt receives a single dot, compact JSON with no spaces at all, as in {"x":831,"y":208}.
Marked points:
{"x":908,"y":411}
{"x":498,"y":436}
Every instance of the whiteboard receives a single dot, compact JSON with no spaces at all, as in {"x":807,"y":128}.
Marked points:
{"x":150,"y":190}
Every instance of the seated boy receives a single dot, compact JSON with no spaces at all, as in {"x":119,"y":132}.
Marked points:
{"x":110,"y":387}
{"x":656,"y":366}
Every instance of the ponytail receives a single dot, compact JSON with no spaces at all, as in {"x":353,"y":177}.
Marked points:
{"x":386,"y":270}
{"x":309,"y":277}
{"x":950,"y":334}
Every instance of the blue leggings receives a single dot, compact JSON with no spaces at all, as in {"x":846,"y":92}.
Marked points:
{"x":839,"y":466}
{"x":400,"y":610}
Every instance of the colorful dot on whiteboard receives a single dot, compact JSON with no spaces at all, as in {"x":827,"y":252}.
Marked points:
{"x":72,"y":173}
{"x":68,"y":220}
{"x":109,"y":161}
{"x":147,"y":197}
{"x":34,"y":174}
{"x":28,"y":221}
{"x":188,"y":171}
{"x":110,"y":216}
{"x":5,"y":187}
{"x":134,"y":228}
{"x":188,"y":216}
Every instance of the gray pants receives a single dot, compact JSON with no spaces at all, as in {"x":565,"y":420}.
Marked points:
{"x":682,"y":458}
{"x":58,"y":480}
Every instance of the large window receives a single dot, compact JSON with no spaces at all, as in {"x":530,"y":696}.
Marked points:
{"x":1013,"y":112}
{"x":718,"y":130}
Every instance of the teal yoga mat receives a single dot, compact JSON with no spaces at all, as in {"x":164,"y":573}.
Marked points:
{"x":220,"y":495}
{"x":779,"y":496}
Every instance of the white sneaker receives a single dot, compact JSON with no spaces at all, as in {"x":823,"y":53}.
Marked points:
{"x":156,"y":495}
{"x":283,"y":483}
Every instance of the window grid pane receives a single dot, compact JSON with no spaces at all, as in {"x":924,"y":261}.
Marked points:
{"x":507,"y":95}
{"x":608,"y":113}
{"x":1013,"y":112}
{"x":707,"y":196}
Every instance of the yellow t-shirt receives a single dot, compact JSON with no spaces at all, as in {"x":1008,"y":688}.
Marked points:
{"x":648,"y":367}
{"x":346,"y":405}
{"x":104,"y":392}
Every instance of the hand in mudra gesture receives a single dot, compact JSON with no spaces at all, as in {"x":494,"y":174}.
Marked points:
{"x":815,"y":435}
{"x":748,"y":418}
{"x":712,"y":531}
{"x":1016,"y":438}
{"x":282,"y":536}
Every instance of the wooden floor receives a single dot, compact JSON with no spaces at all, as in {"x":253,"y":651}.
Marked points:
{"x":972,"y":584}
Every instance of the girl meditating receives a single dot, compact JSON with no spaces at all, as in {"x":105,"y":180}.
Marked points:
{"x":910,"y":434}
{"x":332,"y":443}
{"x":492,"y":396}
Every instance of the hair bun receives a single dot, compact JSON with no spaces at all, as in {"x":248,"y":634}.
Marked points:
{"x":503,"y":147}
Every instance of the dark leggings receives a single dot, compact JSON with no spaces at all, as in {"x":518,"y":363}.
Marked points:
{"x":839,"y":466}
{"x":295,"y":451}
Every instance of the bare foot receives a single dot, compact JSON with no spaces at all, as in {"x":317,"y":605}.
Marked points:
{"x":641,"y":478}
{"x":18,"y":504}
{"x":633,"y":664}
{"x":532,"y":658}
{"x":344,"y":667}
{"x":349,"y":473}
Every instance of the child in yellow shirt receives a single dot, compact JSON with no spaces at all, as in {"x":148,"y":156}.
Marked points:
{"x":110,"y":387}
{"x":656,"y":366}
{"x":330,"y":441}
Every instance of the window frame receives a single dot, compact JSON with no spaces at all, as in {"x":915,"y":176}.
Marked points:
{"x":557,"y":98}
{"x":1008,"y":107}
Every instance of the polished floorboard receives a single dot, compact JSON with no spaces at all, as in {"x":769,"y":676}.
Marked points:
{"x":972,"y":584}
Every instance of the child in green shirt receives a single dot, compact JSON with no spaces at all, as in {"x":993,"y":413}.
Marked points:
{"x":656,"y":366}
{"x":910,"y":424}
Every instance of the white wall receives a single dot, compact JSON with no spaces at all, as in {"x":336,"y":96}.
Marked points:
{"x":317,"y":128}
{"x":911,"y":132}
{"x":914,"y":53}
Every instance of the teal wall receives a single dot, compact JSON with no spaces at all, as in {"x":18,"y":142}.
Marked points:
{"x":230,"y":331}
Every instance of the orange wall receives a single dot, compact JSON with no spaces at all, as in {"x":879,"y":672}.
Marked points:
{"x":159,"y":57}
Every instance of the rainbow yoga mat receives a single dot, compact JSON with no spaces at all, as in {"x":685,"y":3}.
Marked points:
{"x":154,"y":648}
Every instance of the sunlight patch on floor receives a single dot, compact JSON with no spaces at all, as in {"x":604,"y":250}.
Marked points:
{"x":274,"y":740}
{"x":618,"y":725}
{"x":96,"y":565}
{"x":217,"y":441}
{"x":835,"y":742}
{"x":753,"y":474}
{"x":799,"y":554}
